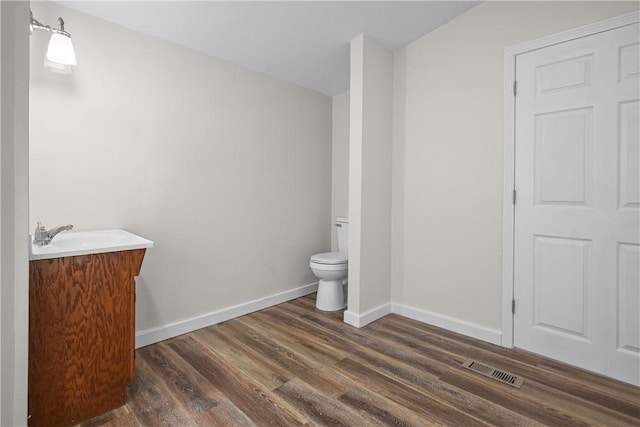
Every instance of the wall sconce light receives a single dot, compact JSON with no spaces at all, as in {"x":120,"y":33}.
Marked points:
{"x":60,"y":54}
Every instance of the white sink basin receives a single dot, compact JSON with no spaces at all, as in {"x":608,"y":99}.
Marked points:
{"x":73,"y":243}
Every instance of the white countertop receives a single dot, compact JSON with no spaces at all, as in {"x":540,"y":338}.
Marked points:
{"x":73,"y":243}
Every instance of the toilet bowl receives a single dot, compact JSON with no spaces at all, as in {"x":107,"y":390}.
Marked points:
{"x":332,"y":269}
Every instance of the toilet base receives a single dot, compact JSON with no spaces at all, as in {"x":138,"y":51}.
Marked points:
{"x":330,"y":295}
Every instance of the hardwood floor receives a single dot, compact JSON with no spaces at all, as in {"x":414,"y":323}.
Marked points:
{"x":294,"y":365}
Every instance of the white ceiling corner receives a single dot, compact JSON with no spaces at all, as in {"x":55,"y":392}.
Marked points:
{"x":302,"y":42}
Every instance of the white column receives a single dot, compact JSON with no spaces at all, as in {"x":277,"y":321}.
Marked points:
{"x":14,"y":210}
{"x":370,"y":137}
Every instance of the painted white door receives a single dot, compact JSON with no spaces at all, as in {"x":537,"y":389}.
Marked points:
{"x":577,"y":215}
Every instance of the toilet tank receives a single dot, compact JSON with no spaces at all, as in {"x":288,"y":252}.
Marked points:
{"x":342,"y":227}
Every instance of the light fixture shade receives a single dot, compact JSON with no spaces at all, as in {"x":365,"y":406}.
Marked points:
{"x":60,"y":50}
{"x":55,"y":67}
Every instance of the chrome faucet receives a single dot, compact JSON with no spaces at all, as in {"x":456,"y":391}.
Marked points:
{"x":43,"y":237}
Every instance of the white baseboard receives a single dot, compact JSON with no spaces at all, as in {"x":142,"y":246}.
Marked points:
{"x":452,"y":324}
{"x":360,"y":320}
{"x":154,"y":335}
{"x":469,"y":329}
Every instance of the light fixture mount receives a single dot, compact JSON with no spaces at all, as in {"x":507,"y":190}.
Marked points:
{"x":37,"y":25}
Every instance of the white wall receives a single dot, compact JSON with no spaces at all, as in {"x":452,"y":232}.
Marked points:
{"x":339,"y":162}
{"x":371,"y":97}
{"x":14,"y":274}
{"x":227,"y":170}
{"x":448,"y":155}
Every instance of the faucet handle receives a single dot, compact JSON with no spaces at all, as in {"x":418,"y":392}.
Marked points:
{"x":40,"y":236}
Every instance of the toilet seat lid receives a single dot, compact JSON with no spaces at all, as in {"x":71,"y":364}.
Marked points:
{"x":331,"y":258}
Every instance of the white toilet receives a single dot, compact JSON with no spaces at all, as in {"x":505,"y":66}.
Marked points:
{"x":332,"y":270}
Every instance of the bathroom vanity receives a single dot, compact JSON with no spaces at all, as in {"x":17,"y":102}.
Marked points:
{"x":82,"y":324}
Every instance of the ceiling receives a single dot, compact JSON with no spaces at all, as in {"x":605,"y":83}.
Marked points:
{"x":303,"y":42}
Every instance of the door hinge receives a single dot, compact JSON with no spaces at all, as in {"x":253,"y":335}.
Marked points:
{"x":515,"y":88}
{"x":513,"y":306}
{"x":514,"y":196}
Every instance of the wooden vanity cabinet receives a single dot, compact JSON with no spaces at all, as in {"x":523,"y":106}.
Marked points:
{"x":81,"y":335}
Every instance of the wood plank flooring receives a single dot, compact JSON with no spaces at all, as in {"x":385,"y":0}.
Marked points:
{"x":293,"y":365}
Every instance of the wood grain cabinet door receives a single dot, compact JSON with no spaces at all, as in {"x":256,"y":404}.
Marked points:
{"x":81,"y":335}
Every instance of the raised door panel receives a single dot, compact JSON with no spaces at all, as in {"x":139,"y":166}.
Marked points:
{"x":566,"y":74}
{"x":629,"y":154}
{"x":628,"y":288}
{"x":563,"y":154}
{"x":629,"y":62}
{"x":561,"y":286}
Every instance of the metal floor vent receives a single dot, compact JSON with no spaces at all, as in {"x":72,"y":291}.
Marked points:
{"x":496,"y":374}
